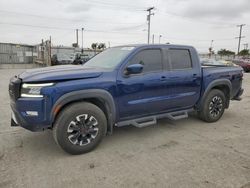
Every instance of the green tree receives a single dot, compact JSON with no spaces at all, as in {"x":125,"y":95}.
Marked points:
{"x":244,"y":52}
{"x":225,"y":52}
{"x":101,"y":46}
{"x":94,"y":46}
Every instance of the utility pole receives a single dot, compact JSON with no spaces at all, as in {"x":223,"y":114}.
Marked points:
{"x":240,"y":37}
{"x":148,"y":19}
{"x":211,"y":45}
{"x":160,"y":39}
{"x":211,"y":49}
{"x":49,"y":50}
{"x":82,"y":40}
{"x":153,"y":39}
{"x":76,"y":37}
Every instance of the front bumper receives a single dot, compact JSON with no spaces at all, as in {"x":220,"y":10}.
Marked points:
{"x":30,"y":113}
{"x":13,"y":122}
{"x":20,"y":117}
{"x":33,"y":114}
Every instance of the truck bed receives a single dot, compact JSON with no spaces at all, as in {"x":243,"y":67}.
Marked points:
{"x":232,"y":73}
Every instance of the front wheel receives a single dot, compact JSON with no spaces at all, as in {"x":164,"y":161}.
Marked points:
{"x":80,"y":127}
{"x":213,"y":107}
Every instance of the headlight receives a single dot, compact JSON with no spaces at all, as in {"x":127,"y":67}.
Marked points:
{"x":33,"y":90}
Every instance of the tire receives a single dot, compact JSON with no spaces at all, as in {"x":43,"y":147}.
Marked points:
{"x":213,"y":107}
{"x":79,"y":128}
{"x":246,"y":69}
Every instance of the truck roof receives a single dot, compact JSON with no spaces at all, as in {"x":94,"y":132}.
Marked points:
{"x":156,"y":45}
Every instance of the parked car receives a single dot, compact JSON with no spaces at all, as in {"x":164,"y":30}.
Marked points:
{"x":244,"y":63}
{"x":61,"y":59}
{"x":126,"y":85}
{"x":80,"y":59}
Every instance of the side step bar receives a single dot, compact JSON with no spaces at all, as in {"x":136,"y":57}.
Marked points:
{"x":151,"y":120}
{"x":141,"y":122}
{"x":178,"y":115}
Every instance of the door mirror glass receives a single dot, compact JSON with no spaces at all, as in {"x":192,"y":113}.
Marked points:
{"x":134,"y":69}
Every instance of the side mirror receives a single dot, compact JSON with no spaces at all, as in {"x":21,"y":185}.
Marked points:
{"x":134,"y":69}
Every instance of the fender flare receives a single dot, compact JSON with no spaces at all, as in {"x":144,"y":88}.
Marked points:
{"x":101,"y":94}
{"x":218,"y":82}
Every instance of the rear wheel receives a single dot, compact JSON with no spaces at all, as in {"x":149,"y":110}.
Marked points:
{"x":213,"y":106}
{"x":79,"y":128}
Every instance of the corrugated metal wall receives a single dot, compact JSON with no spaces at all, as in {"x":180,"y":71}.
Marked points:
{"x":16,"y":54}
{"x":71,"y":50}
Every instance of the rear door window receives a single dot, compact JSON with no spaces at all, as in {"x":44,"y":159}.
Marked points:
{"x":180,"y":59}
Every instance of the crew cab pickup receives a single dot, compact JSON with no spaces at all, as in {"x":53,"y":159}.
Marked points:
{"x":125,"y":85}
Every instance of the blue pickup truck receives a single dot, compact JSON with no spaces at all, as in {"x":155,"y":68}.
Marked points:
{"x":125,"y":85}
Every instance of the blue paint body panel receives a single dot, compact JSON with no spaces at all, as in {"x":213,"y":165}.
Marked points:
{"x":134,"y":96}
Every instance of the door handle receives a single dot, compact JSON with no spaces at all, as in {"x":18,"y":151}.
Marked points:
{"x":196,"y":77}
{"x":163,"y":78}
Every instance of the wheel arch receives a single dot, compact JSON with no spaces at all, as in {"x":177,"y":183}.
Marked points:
{"x":101,"y":98}
{"x":221,"y":84}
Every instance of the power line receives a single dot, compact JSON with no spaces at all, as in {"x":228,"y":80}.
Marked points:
{"x":35,"y":26}
{"x":61,"y":28}
{"x":226,"y":24}
{"x":65,"y":19}
{"x":103,"y":31}
{"x":199,"y":40}
{"x":245,"y":46}
{"x":101,"y":3}
{"x":110,"y":31}
{"x":63,"y":35}
{"x":240,"y":36}
{"x":130,"y":27}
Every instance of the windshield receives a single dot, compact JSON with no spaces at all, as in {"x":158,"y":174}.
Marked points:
{"x":109,"y":58}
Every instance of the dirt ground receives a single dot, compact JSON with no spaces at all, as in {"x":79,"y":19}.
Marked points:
{"x":177,"y":154}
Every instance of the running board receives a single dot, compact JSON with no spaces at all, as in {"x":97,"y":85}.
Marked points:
{"x":151,"y":120}
{"x":178,"y":115}
{"x":143,"y":122}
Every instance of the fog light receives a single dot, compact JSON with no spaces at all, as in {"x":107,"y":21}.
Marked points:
{"x":32,"y":113}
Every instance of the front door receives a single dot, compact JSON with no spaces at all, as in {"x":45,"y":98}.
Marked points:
{"x":142,"y":94}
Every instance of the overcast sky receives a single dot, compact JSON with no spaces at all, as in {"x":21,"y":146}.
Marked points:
{"x":192,"y":22}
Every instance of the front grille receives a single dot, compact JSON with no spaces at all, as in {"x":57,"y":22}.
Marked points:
{"x":14,"y":88}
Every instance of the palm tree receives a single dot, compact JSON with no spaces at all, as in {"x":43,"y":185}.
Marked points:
{"x":101,"y":46}
{"x":94,"y":46}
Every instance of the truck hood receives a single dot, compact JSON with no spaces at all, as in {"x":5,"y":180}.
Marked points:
{"x":61,"y":72}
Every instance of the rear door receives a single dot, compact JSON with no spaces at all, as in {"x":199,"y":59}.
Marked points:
{"x":183,"y":79}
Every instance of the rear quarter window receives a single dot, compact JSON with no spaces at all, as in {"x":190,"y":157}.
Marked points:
{"x":180,"y":59}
